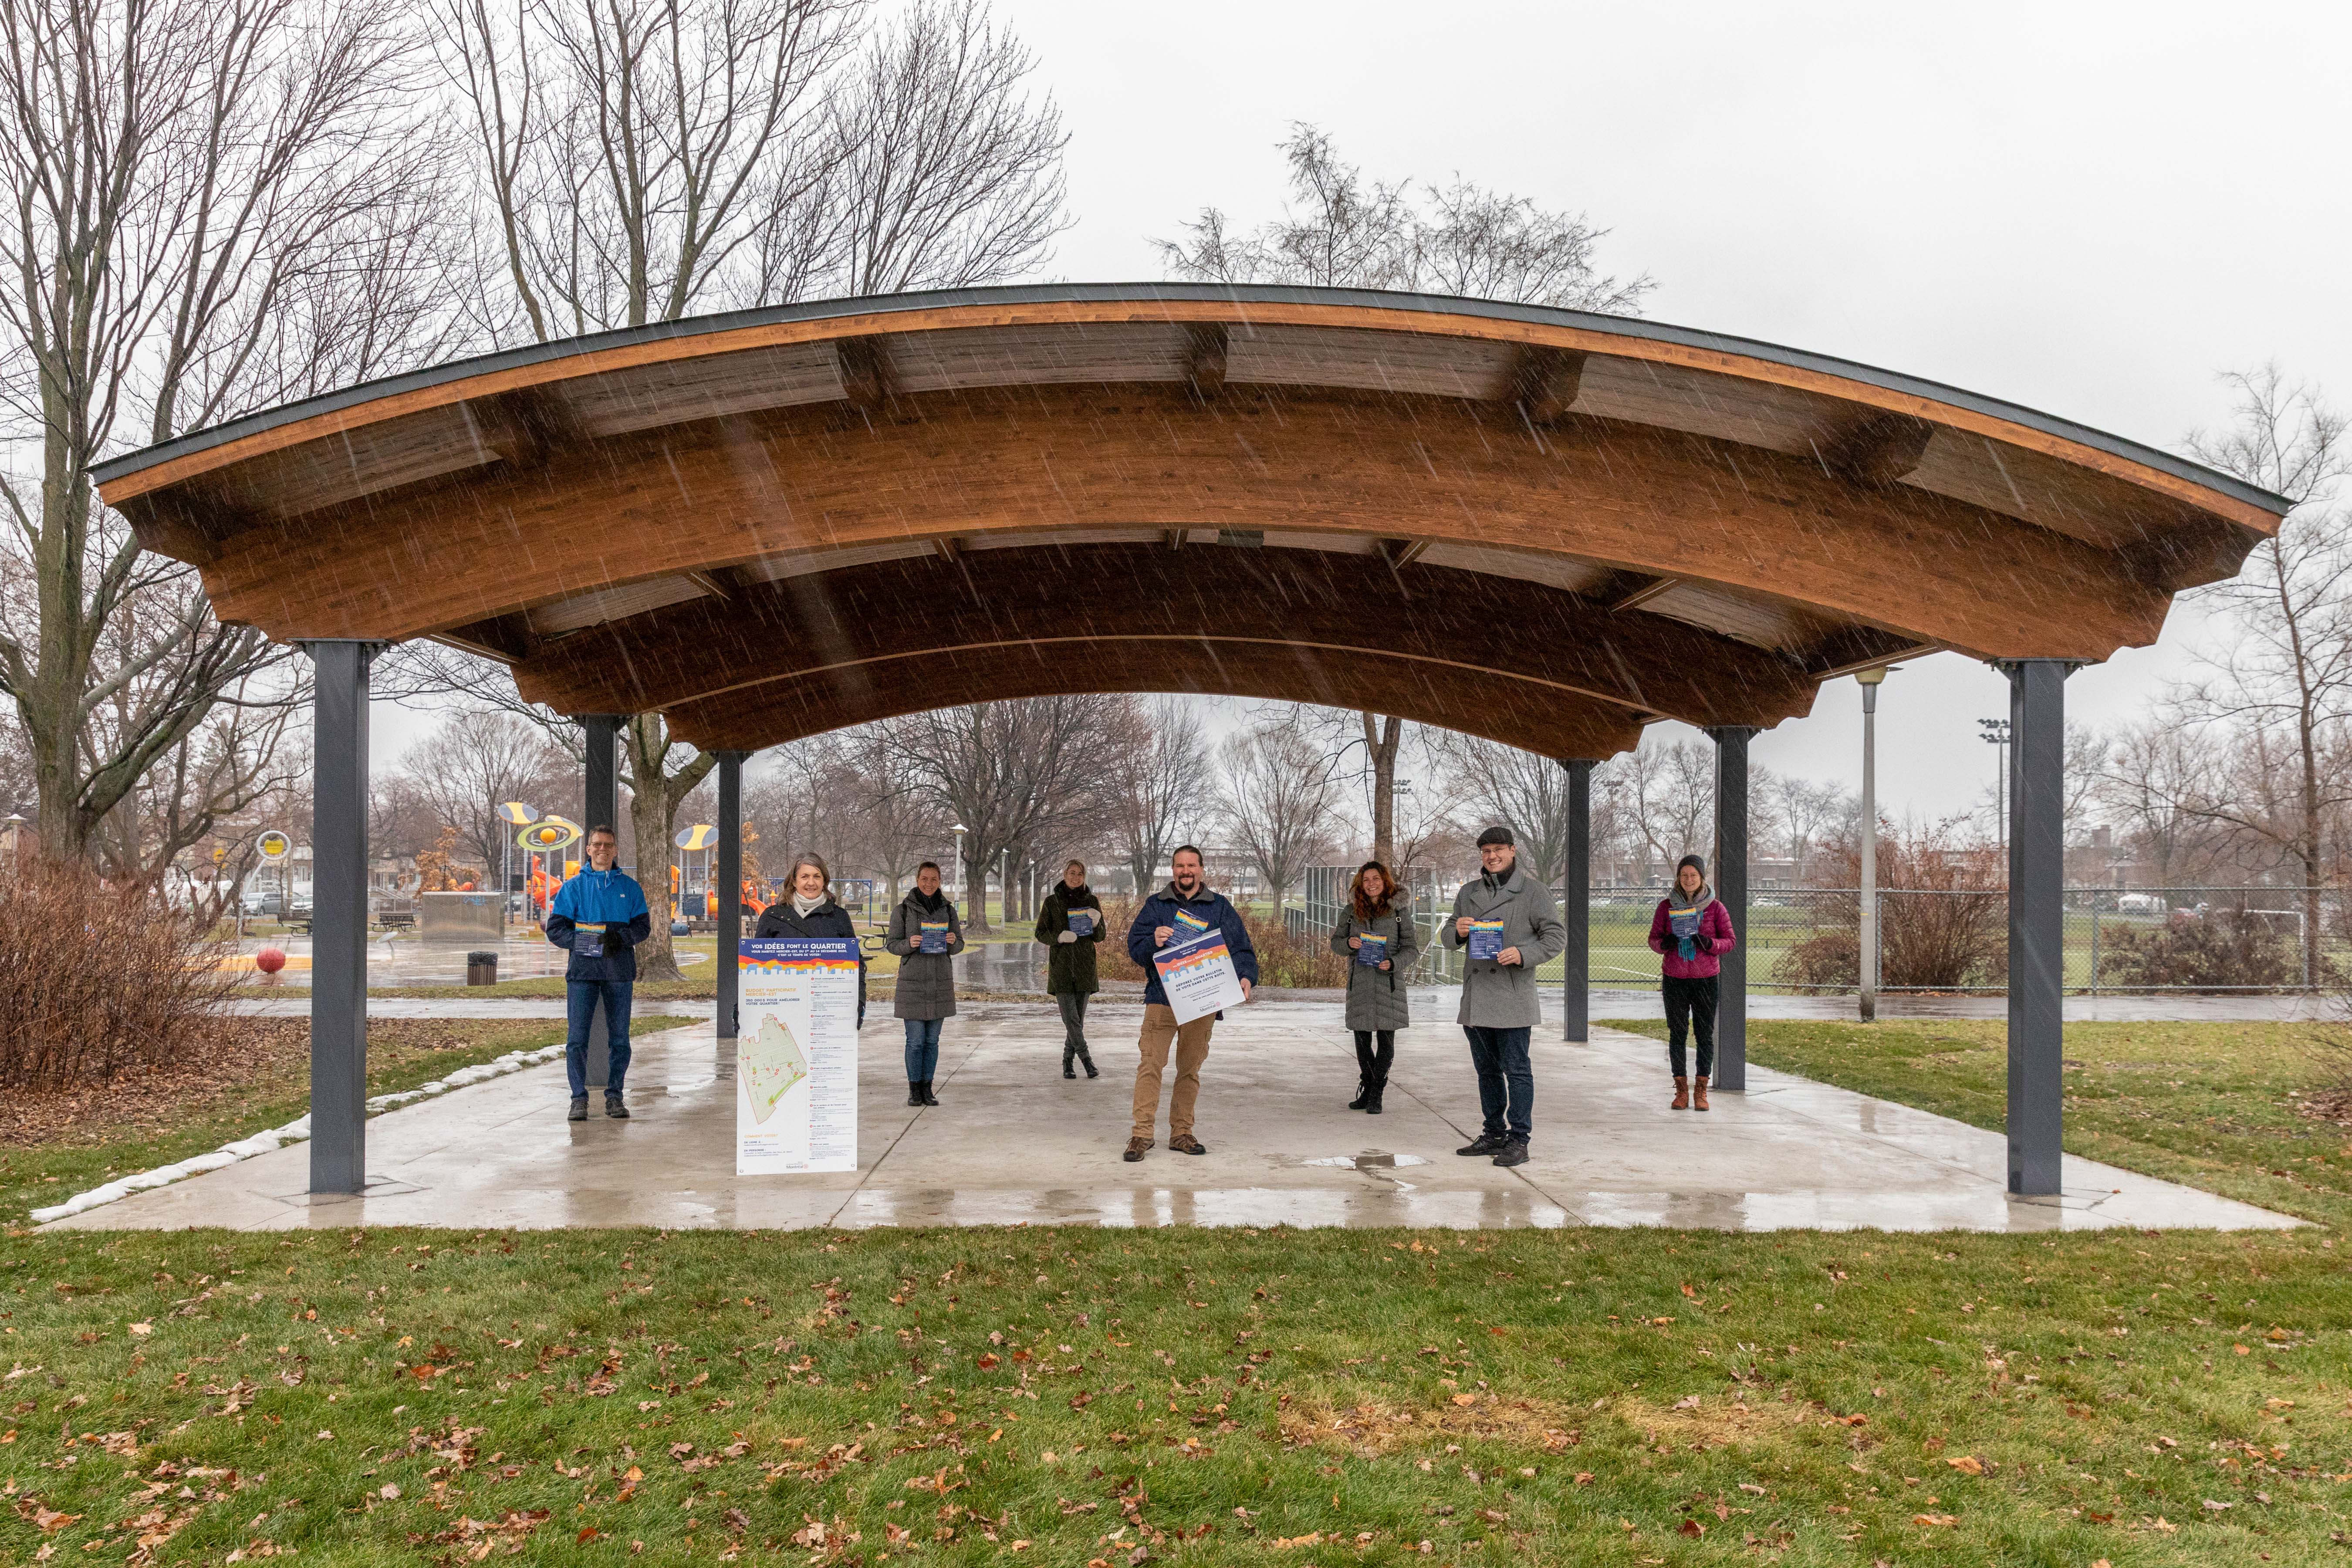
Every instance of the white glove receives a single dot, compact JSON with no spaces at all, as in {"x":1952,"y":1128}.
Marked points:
{"x":1067,"y":936}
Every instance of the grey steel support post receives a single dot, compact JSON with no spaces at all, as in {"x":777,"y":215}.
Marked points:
{"x":602,"y":808}
{"x":1576,"y":907}
{"x":730,"y":884}
{"x":2037,"y":930}
{"x":1731,"y":889}
{"x":339,"y":873}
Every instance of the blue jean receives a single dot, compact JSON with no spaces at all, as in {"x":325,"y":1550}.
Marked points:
{"x":1506,"y":1079}
{"x":922,"y":1049}
{"x":579,"y":1007}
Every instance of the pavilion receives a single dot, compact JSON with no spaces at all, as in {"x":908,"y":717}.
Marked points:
{"x":1539,"y":526}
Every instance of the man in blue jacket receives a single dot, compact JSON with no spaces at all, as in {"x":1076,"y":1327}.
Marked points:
{"x":1185,"y":905}
{"x":599,"y":916}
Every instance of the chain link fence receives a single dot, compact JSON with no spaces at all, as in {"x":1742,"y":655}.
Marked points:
{"x":1808,"y":939}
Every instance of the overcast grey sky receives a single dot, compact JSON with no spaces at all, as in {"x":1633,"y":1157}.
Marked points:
{"x":2089,"y":210}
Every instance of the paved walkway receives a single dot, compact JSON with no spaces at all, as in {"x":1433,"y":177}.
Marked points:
{"x":1013,"y":1142}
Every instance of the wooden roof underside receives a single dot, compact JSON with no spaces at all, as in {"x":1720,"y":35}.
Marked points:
{"x":1548,"y":533}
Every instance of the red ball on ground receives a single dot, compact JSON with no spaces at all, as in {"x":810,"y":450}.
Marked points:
{"x":270,"y":960}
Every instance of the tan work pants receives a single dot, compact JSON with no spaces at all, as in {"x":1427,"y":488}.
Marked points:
{"x":1192,"y":1042}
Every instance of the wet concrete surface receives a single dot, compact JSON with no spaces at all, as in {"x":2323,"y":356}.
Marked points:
{"x":1013,"y":1142}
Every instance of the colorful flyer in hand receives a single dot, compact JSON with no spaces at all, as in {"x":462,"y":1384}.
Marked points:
{"x":1371,"y":950}
{"x":1188,"y":924}
{"x":1486,"y":940}
{"x":588,"y":938}
{"x":1082,"y":921}
{"x":935,"y":937}
{"x":1683,"y":923}
{"x":1197,"y":972}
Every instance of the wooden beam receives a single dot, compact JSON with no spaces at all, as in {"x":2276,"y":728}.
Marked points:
{"x":1875,"y":661}
{"x":529,"y":427}
{"x":945,"y":547}
{"x":1544,"y":381}
{"x":1403,"y":552}
{"x":864,"y":366}
{"x":1634,"y":598}
{"x":1032,"y":457}
{"x":714,"y":584}
{"x":186,"y":523}
{"x":1882,"y":450}
{"x":1205,"y":346}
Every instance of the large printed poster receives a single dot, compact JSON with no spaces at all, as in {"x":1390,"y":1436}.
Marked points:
{"x":796,"y":1056}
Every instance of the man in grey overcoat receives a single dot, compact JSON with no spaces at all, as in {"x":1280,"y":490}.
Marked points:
{"x":1505,"y":909}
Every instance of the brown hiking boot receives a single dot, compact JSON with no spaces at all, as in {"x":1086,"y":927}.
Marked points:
{"x":1681,"y":1095}
{"x":1136,"y":1149}
{"x":1185,"y":1143}
{"x":1698,"y":1092}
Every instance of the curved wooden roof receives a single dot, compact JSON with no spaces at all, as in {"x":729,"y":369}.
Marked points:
{"x":1546,"y":527}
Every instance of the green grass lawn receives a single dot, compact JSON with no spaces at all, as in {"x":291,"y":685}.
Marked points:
{"x":1118,"y":1397}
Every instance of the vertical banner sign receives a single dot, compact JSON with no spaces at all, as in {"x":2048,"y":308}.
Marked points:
{"x":796,"y":1057}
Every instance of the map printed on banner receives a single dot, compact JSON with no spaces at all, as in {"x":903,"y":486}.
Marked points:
{"x":796,"y":1057}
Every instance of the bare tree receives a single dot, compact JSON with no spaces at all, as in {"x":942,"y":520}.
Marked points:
{"x":942,"y":172}
{"x":211,"y":204}
{"x":2280,"y":678}
{"x":1667,"y":791}
{"x":1524,"y":792}
{"x":467,"y":767}
{"x":1281,"y":796}
{"x":238,"y":757}
{"x":1164,"y":786}
{"x":1804,"y":814}
{"x":1032,"y":772}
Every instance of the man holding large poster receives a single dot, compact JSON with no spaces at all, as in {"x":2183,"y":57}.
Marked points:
{"x":1186,"y":916}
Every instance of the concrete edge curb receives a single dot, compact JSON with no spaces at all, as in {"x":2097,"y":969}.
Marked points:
{"x":274,"y":1137}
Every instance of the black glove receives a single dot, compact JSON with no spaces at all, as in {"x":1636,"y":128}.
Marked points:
{"x":1703,"y":941}
{"x":615,"y":942}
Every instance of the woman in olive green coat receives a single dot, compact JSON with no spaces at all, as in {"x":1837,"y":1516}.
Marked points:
{"x":1070,"y":959}
{"x":1375,"y":935}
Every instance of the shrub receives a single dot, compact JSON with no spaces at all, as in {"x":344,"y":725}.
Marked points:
{"x":1943,"y":918}
{"x":95,"y":980}
{"x":2223,"y":950}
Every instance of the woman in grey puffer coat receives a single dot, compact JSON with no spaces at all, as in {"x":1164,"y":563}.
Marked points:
{"x":926,"y":993}
{"x":1375,"y":935}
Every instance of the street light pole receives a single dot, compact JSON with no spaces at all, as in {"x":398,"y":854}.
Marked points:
{"x":1870,"y":681}
{"x":1996,"y":736}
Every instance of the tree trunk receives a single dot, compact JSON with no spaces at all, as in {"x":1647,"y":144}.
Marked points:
{"x":1382,"y":738}
{"x":654,"y":797}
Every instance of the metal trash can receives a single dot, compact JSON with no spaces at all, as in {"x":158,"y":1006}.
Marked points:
{"x":481,"y":969}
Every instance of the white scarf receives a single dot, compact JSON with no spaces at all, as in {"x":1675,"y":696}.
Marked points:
{"x":806,"y":907}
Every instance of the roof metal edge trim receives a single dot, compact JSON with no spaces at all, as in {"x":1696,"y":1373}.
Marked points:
{"x":1240,"y":295}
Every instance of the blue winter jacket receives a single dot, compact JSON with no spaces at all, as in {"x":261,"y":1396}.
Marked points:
{"x":1159,"y":909}
{"x":611,"y":897}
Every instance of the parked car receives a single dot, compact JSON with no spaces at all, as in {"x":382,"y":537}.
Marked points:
{"x":2139,"y":904}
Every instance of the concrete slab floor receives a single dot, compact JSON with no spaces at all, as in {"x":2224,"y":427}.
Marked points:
{"x":1013,"y":1143}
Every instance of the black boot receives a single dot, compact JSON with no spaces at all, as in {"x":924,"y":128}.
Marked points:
{"x":914,"y":1091}
{"x":615,"y":1107}
{"x":1088,"y":1062}
{"x":1069,"y":1061}
{"x":1363,"y":1094}
{"x":929,"y":1097}
{"x":579,"y":1108}
{"x":1372,"y":1096}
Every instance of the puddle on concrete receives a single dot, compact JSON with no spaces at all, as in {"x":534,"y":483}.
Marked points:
{"x":1369,"y":1160}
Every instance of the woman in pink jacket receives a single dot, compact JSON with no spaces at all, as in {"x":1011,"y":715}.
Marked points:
{"x":1689,"y":932}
